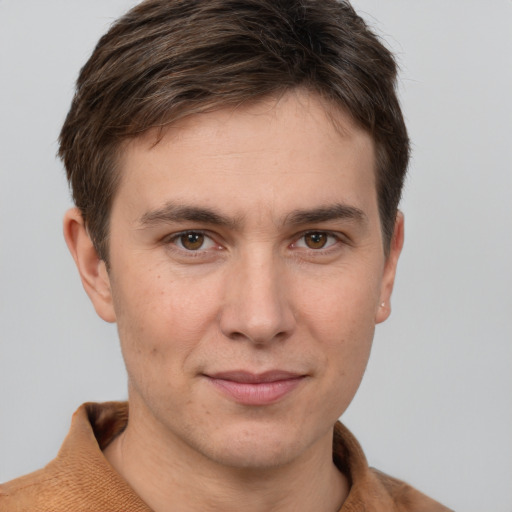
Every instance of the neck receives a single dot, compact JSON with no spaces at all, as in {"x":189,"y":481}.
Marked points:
{"x":169,"y":475}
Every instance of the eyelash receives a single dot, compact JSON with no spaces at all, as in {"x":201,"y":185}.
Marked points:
{"x":322,"y":250}
{"x":171,"y":240}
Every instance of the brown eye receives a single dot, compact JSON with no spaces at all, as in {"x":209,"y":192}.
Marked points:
{"x":316,"y":240}
{"x":191,"y":241}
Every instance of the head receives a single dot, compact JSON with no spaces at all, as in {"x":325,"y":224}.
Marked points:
{"x":237,"y":167}
{"x":167,"y":60}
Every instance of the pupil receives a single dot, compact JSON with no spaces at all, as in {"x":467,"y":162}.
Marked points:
{"x":316,"y":240}
{"x":192,"y":241}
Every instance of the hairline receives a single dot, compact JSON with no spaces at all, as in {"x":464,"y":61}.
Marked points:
{"x":338,"y":115}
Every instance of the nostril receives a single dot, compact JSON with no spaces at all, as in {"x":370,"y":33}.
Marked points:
{"x":259,"y":337}
{"x":236,"y":336}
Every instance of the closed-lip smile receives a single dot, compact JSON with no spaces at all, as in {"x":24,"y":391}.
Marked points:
{"x":249,"y":388}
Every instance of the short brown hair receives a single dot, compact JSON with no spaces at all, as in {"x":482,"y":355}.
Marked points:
{"x":167,"y":59}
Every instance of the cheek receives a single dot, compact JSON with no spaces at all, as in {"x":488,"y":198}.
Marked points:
{"x":346,"y":351}
{"x":340,"y":316}
{"x":342,"y":303}
{"x":161,"y":320}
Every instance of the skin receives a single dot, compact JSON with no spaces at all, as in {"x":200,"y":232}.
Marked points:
{"x":249,"y":288}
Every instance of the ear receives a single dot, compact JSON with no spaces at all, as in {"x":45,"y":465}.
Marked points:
{"x":92,"y":269}
{"x":388,"y":279}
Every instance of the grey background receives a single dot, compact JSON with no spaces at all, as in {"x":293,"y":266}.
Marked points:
{"x":435,"y":407}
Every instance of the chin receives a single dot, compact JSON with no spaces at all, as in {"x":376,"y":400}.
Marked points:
{"x":257,"y":455}
{"x":255,"y":447}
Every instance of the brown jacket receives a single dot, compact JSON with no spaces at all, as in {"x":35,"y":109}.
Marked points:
{"x":80,"y":478}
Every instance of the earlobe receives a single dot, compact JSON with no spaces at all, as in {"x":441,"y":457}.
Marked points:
{"x":91,"y":268}
{"x":388,"y":279}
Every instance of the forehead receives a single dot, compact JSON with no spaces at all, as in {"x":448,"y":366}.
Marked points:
{"x":272,"y":153}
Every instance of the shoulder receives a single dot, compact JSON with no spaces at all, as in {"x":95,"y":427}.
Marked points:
{"x":29,"y":492}
{"x":68,"y":484}
{"x":372,"y":489}
{"x":79,"y":479}
{"x":405,"y":497}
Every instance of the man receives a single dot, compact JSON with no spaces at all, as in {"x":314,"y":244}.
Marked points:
{"x":236,"y":168}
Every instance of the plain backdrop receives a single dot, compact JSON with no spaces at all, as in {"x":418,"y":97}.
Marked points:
{"x":435,"y":407}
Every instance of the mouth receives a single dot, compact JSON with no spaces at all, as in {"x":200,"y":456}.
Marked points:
{"x":255,"y":388}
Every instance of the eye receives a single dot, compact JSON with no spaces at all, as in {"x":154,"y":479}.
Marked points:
{"x":316,"y":240}
{"x":193,"y":241}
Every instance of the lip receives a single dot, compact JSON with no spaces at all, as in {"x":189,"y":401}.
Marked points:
{"x":255,"y":388}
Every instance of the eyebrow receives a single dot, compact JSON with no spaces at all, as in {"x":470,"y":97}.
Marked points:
{"x":180,"y":213}
{"x":186,"y":213}
{"x":332,"y":212}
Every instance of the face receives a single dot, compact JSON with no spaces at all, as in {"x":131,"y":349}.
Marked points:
{"x":246,"y":276}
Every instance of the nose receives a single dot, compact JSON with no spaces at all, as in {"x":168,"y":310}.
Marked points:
{"x":257,"y":305}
